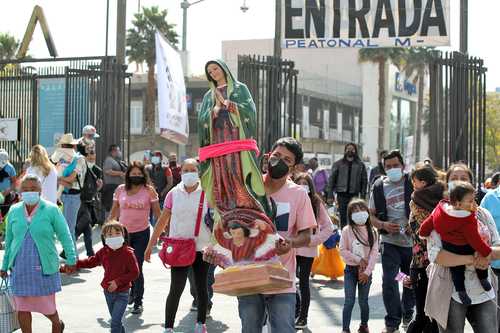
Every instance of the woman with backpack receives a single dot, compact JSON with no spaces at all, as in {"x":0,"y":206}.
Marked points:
{"x":87,"y":215}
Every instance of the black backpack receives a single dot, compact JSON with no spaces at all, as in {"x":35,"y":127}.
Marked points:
{"x":89,"y":186}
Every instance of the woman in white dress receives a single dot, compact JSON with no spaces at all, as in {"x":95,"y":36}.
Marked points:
{"x":45,"y":170}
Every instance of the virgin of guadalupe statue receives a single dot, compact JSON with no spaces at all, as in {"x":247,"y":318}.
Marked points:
{"x":229,"y":170}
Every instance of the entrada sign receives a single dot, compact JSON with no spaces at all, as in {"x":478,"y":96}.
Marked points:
{"x":314,"y":24}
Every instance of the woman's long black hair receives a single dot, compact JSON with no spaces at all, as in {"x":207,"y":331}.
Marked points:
{"x":361,"y":204}
{"x":316,"y":200}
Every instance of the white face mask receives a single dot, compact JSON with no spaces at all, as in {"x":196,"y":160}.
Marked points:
{"x":394,"y":174}
{"x":115,"y":242}
{"x":360,"y":218}
{"x":306,"y":187}
{"x":190,"y":178}
{"x":451,"y":185}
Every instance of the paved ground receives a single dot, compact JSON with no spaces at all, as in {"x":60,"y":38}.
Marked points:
{"x":83,"y":308}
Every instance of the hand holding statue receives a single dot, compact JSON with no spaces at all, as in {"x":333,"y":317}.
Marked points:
{"x":283,"y":246}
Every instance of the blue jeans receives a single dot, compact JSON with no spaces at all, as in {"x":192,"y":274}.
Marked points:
{"x":117,"y":304}
{"x":482,"y":317}
{"x":394,"y":259}
{"x":71,"y":207}
{"x":350,"y":284}
{"x":280,"y":309}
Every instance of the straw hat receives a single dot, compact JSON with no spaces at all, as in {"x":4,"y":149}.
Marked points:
{"x":67,"y":139}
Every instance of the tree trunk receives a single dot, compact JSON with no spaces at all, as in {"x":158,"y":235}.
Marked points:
{"x":418,"y":117}
{"x":381,"y":103}
{"x":149,"y":118}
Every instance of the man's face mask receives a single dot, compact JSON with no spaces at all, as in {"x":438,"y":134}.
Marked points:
{"x":277,"y":168}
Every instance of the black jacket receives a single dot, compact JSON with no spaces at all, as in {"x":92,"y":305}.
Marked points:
{"x":340,"y":175}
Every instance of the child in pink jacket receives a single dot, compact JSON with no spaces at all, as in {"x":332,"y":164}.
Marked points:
{"x":305,"y":255}
{"x":359,"y":249}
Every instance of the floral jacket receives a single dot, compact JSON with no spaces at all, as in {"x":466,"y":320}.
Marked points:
{"x":417,"y":216}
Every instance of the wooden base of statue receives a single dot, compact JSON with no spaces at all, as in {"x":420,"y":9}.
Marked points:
{"x":252,"y":279}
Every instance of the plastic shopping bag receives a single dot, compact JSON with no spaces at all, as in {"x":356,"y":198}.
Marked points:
{"x":8,"y":315}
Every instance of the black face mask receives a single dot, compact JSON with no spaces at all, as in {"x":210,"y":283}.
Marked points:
{"x":137,"y":180}
{"x":172,"y":163}
{"x":277,"y":168}
{"x":350,"y":154}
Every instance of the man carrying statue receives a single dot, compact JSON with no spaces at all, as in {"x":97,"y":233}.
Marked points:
{"x":258,"y":219}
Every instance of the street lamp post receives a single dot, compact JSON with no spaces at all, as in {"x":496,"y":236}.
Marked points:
{"x":277,"y":30}
{"x":464,"y":19}
{"x":185,"y":4}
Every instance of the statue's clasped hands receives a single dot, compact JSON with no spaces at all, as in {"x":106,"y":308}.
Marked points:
{"x":220,"y":101}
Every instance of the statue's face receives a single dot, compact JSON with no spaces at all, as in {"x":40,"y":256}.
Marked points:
{"x":215,"y":72}
{"x":238,"y":235}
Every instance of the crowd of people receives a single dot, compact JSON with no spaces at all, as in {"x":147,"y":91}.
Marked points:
{"x":426,"y":226}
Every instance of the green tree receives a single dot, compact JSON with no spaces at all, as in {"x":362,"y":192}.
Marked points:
{"x":141,"y":48}
{"x":417,"y":60}
{"x":493,"y":131}
{"x":8,"y":47}
{"x":381,"y":56}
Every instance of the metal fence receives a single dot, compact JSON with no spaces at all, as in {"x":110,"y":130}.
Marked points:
{"x":63,"y":95}
{"x":457,"y":115}
{"x":273,"y":85}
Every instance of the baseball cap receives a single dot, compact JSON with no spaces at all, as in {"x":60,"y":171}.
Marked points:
{"x":89,"y":129}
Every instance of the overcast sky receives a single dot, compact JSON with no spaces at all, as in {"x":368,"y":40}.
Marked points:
{"x":78,"y":26}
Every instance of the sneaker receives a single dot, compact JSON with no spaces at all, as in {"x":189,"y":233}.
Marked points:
{"x":363,"y":329}
{"x":390,"y":330}
{"x":208,"y":311}
{"x":200,"y":328}
{"x":406,"y":322}
{"x":194,"y":306}
{"x":301,"y":324}
{"x":168,"y":330}
{"x":138,"y":309}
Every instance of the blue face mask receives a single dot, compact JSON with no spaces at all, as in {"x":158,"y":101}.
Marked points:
{"x":30,"y":198}
{"x":155,"y":160}
{"x":394,"y":174}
